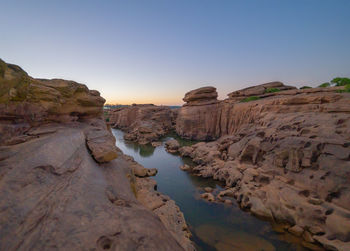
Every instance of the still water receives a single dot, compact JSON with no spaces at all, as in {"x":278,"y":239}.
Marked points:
{"x":214,"y":226}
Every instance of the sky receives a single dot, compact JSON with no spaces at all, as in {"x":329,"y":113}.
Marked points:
{"x":154,"y":51}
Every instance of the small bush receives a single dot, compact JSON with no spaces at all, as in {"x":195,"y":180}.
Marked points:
{"x":340,"y":81}
{"x":107,"y":119}
{"x":271,"y":90}
{"x":305,"y":87}
{"x":252,"y":98}
{"x":324,"y":85}
{"x":346,"y":89}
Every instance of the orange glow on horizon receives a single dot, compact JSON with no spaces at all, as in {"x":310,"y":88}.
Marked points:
{"x":159,"y":101}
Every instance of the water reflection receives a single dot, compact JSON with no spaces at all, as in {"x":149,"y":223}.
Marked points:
{"x":143,"y":150}
{"x":214,"y":226}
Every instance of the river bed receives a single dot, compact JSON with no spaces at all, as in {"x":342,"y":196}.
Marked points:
{"x":215,"y":226}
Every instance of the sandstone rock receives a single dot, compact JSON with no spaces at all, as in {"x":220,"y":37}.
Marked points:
{"x":185,"y":167}
{"x":143,"y":123}
{"x":201,"y":94}
{"x":208,"y":189}
{"x":55,"y":195}
{"x":334,"y":245}
{"x":296,"y":230}
{"x":308,"y":237}
{"x":156,"y":143}
{"x":339,"y":226}
{"x":140,"y":171}
{"x":227,"y":192}
{"x":284,"y":157}
{"x":166,"y":209}
{"x":172,"y":146}
{"x":259,"y":89}
{"x":185,"y":151}
{"x":30,"y":102}
{"x":102,"y":145}
{"x":208,"y":196}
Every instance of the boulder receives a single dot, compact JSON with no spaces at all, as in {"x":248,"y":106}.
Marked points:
{"x":203,"y":95}
{"x":172,"y":146}
{"x":185,"y":167}
{"x":208,"y":196}
{"x":101,"y":144}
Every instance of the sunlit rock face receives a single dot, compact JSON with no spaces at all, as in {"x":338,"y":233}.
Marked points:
{"x":64,"y":184}
{"x":284,"y":156}
{"x":27,"y":102}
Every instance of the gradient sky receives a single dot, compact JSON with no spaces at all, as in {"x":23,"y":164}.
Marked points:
{"x":155,"y":51}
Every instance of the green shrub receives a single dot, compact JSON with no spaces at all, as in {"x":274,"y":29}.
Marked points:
{"x":271,"y":90}
{"x":252,"y":98}
{"x":107,"y":119}
{"x":305,"y":87}
{"x":325,"y":85}
{"x":340,"y":81}
{"x":346,"y":89}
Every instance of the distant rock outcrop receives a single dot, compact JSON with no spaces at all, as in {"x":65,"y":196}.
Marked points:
{"x":143,"y":123}
{"x":64,"y":184}
{"x":260,"y":90}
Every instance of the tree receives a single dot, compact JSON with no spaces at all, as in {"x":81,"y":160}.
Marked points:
{"x":340,"y":81}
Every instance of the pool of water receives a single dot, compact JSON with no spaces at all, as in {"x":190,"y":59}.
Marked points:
{"x":215,"y":226}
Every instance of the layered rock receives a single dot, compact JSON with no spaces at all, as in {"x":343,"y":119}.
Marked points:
{"x":64,"y":184}
{"x":285,"y":157}
{"x":27,"y":102}
{"x":143,"y":123}
{"x":263,"y":90}
{"x":204,"y":121}
{"x":197,"y":118}
{"x":166,"y":209}
{"x":201,"y":96}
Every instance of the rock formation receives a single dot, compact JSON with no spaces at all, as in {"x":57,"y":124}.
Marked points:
{"x":143,"y":123}
{"x":209,"y":119}
{"x":172,"y":146}
{"x":64,"y":184}
{"x":284,"y":156}
{"x":197,"y":119}
{"x":201,"y":96}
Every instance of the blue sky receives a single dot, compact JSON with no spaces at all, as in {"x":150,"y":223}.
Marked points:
{"x":155,"y":51}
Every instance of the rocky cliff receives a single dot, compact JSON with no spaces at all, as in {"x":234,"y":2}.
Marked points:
{"x":283,"y":154}
{"x":63,"y":183}
{"x":143,"y":123}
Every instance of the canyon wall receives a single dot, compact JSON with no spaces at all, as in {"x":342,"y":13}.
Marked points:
{"x":64,"y":185}
{"x":284,"y":155}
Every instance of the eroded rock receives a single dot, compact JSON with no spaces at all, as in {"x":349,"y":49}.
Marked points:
{"x":172,"y":146}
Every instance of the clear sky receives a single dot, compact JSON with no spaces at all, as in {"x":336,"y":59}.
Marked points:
{"x":154,"y":51}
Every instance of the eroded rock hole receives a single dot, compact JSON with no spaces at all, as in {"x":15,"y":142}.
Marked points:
{"x":104,"y":243}
{"x":329,"y":211}
{"x":332,"y":195}
{"x":305,"y":193}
